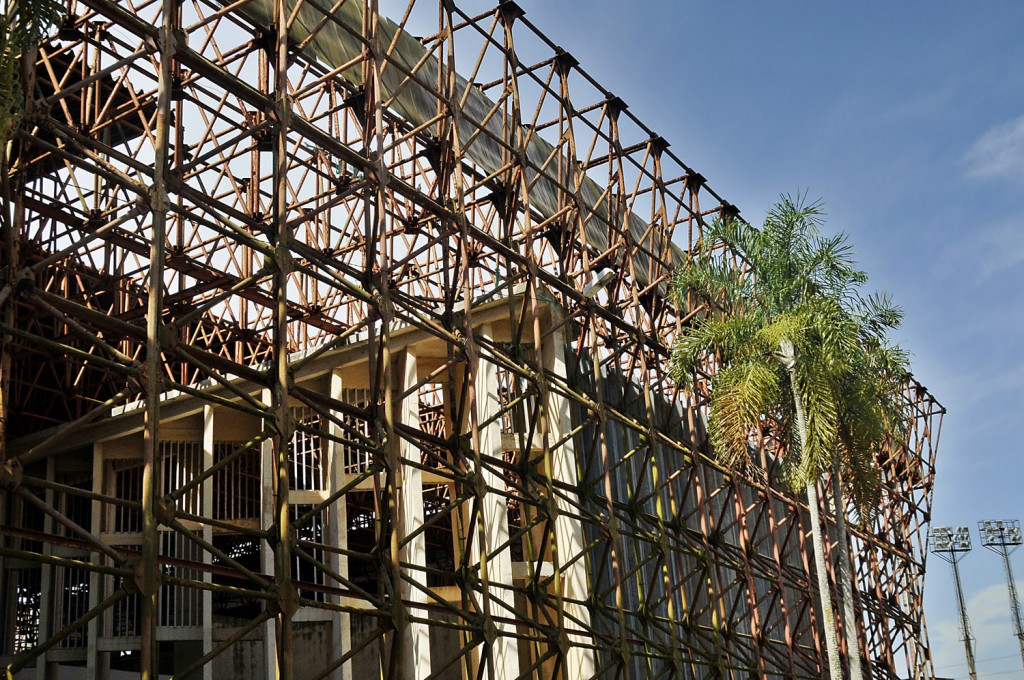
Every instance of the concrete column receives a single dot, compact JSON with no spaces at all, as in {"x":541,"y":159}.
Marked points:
{"x":337,"y":536}
{"x":207,"y":511}
{"x":409,"y":489}
{"x":6,"y":596}
{"x":569,"y":539}
{"x":268,"y":467}
{"x":95,"y":663}
{"x":47,"y":607}
{"x":494,"y":519}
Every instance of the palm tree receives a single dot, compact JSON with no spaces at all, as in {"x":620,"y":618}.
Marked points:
{"x":24,"y":24}
{"x":795,"y":345}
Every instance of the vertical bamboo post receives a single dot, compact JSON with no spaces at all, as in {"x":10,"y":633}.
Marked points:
{"x":287,"y":598}
{"x":148,"y":579}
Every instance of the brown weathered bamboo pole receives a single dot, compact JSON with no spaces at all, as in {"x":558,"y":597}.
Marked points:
{"x":13,"y":226}
{"x":11,"y":241}
{"x":518,"y":240}
{"x":59,"y":517}
{"x":148,"y":579}
{"x":282,"y":537}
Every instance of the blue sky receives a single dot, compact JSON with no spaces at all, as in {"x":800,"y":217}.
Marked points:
{"x":908,"y":120}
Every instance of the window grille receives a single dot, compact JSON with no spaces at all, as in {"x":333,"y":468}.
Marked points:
{"x":362,"y":539}
{"x":75,"y":507}
{"x":236,"y":486}
{"x":246,"y":551}
{"x":356,"y":459}
{"x":180,"y":605}
{"x":127,"y":486}
{"x":305,"y":451}
{"x":72,"y":588}
{"x":182,"y":462}
{"x":25,"y":515}
{"x":302,"y":570}
{"x":25,"y":584}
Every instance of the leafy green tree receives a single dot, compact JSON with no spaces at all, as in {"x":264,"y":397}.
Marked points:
{"x":792,"y":344}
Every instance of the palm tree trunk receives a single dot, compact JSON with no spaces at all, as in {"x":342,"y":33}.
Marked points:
{"x":787,"y":355}
{"x":835,"y":664}
{"x":845,"y":581}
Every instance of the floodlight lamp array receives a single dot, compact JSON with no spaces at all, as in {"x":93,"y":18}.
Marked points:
{"x":1000,"y":532}
{"x":950,"y":539}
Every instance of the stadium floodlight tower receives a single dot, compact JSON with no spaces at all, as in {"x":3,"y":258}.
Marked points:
{"x":951,"y":544}
{"x":1002,"y":536}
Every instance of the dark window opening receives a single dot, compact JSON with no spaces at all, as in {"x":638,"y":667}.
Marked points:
{"x":244,"y":550}
{"x":236,"y":486}
{"x":304,"y":571}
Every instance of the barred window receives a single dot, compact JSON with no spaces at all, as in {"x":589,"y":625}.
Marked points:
{"x":305,"y":451}
{"x":25,"y":585}
{"x":72,"y":587}
{"x":236,"y":486}
{"x":127,"y":486}
{"x":302,"y":569}
{"x":356,"y":458}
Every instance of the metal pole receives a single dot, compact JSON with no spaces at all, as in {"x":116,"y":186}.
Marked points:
{"x":1018,"y":629}
{"x":965,"y":626}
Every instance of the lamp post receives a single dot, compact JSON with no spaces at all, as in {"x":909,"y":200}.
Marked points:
{"x":951,"y":544}
{"x":1002,"y":536}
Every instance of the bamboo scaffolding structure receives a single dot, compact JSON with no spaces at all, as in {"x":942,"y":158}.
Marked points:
{"x":301,"y":365}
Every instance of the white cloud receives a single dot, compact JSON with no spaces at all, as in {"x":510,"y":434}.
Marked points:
{"x":999,"y":153}
{"x":999,"y":249}
{"x":990,"y":252}
{"x":994,"y":647}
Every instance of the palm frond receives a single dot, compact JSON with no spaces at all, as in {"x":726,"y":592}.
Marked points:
{"x":711,"y":279}
{"x":821,"y":413}
{"x":792,"y":297}
{"x":877,"y":315}
{"x":35,"y":20}
{"x":737,"y":235}
{"x":722,"y":338}
{"x":829,"y":268}
{"x":790,"y":327}
{"x":11,"y":98}
{"x":861,"y":480}
{"x":741,"y":395}
{"x":834,"y":335}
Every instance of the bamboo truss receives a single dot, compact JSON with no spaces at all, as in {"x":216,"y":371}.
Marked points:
{"x":299,"y":375}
